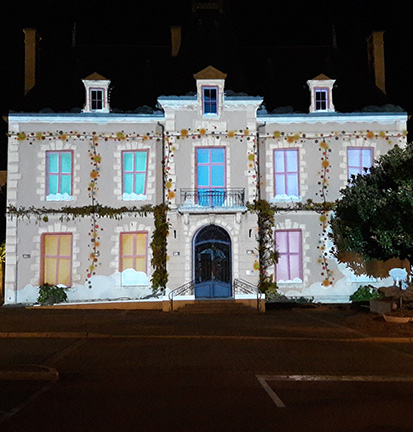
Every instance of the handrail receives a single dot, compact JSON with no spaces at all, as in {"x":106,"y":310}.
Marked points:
{"x":189,"y":286}
{"x":245,"y":287}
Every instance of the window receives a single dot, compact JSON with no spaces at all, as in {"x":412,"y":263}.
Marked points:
{"x":134,"y":167}
{"x":96,"y":99}
{"x":358,"y":159}
{"x":210,"y":174}
{"x":289,"y":266}
{"x":210,"y":100}
{"x":59,"y":175}
{"x":321,"y":99}
{"x":133,"y":251}
{"x":286,"y":173}
{"x":56,"y":259}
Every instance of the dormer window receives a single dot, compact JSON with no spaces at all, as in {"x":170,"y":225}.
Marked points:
{"x":210,"y":100}
{"x":321,"y":99}
{"x":321,"y":88}
{"x":96,"y":87}
{"x":96,"y":99}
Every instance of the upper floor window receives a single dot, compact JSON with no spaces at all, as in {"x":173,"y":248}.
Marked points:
{"x":56,"y":259}
{"x":286,"y":179}
{"x":290,"y":262}
{"x":96,"y":99}
{"x":210,"y":100}
{"x":321,"y":99}
{"x":133,"y":251}
{"x":359,"y":160}
{"x":134,"y":170}
{"x":59,"y":167}
{"x":210,"y":175}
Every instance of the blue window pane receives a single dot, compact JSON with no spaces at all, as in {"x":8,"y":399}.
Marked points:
{"x":203,"y":155}
{"x":217,"y":175}
{"x":292,"y":185}
{"x":291,"y":156}
{"x":128,"y":183}
{"x":128,"y":161}
{"x":280,"y":184}
{"x":65,"y":185}
{"x":279,"y":161}
{"x":53,"y":184}
{"x":140,"y":183}
{"x":217,"y":155}
{"x":366,"y":158}
{"x":66,"y":160}
{"x":140,"y":161}
{"x":203,"y":176}
{"x":53,"y":166}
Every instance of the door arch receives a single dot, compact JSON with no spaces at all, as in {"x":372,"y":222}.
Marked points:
{"x":212,"y":263}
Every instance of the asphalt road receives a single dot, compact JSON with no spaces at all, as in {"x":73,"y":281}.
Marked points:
{"x":134,"y":371}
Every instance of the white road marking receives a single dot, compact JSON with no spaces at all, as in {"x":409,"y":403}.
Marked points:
{"x":278,"y":402}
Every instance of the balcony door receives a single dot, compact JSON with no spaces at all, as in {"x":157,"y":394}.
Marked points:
{"x":210,"y":176}
{"x":212,"y":263}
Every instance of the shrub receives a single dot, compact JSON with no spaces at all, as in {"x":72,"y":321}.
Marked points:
{"x":50,"y":294}
{"x":365,"y":293}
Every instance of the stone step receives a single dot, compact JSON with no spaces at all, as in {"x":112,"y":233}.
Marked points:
{"x":217,"y":306}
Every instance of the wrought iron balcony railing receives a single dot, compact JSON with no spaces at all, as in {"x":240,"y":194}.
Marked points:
{"x":217,"y":198}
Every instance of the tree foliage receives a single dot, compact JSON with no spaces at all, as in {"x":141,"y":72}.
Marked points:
{"x":374,"y":216}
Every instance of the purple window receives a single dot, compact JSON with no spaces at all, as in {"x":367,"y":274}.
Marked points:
{"x":286,"y":172}
{"x":210,"y":100}
{"x":289,"y":246}
{"x":359,"y":160}
{"x":210,"y":174}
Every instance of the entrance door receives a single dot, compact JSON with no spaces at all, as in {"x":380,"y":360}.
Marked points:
{"x":212,"y":263}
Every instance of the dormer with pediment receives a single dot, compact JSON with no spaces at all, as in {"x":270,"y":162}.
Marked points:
{"x":210,"y":84}
{"x":97,"y":98}
{"x":321,"y":88}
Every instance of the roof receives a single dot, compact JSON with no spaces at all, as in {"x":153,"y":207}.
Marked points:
{"x":210,"y":73}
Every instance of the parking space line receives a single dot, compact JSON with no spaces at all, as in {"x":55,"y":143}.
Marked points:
{"x":278,"y":402}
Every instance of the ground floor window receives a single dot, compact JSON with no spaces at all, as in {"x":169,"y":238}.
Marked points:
{"x":134,"y":251}
{"x":289,"y":246}
{"x":57,"y":259}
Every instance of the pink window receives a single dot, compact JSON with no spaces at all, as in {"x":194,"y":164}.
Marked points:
{"x":359,"y":159}
{"x":56,"y":259}
{"x":286,"y":172}
{"x":133,"y":251}
{"x":289,"y":246}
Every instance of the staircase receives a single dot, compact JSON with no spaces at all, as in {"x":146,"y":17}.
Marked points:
{"x":229,"y":306}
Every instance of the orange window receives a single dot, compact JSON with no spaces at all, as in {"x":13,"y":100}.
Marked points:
{"x":133,"y":251}
{"x":57,"y":259}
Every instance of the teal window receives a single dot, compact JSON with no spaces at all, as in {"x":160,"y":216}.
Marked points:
{"x":134,"y":167}
{"x":59,"y":172}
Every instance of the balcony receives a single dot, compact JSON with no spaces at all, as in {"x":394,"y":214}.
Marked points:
{"x":217,"y":200}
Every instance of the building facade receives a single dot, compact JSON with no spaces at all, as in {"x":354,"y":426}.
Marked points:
{"x":82,"y":188}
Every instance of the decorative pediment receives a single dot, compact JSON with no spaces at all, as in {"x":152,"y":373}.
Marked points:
{"x":210,"y":73}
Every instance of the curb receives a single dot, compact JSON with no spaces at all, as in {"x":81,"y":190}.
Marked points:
{"x":30,"y":373}
{"x":87,"y":335}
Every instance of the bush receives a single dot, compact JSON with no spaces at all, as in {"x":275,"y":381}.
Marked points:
{"x":365,"y":293}
{"x":50,"y":294}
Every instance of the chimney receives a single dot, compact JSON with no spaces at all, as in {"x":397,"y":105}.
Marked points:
{"x":176,"y":36}
{"x":375,"y":47}
{"x":29,"y":59}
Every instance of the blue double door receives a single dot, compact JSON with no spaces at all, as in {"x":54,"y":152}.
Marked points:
{"x":212,"y":256}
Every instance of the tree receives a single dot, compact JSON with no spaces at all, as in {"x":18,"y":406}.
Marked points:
{"x":374,"y":216}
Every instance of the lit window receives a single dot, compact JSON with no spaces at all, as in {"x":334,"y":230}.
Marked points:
{"x":286,"y":172}
{"x":57,"y":259}
{"x":321,"y":99}
{"x":133,"y":251}
{"x":59,"y":174}
{"x":289,"y":247}
{"x":96,"y":99}
{"x":134,"y":168}
{"x":210,"y":176}
{"x":359,"y":160}
{"x":210,"y":100}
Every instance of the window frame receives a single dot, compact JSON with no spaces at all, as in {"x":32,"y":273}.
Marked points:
{"x":321,"y":90}
{"x":288,"y":254}
{"x":43,"y":257}
{"x":206,"y":103}
{"x":134,"y":255}
{"x":93,"y":100}
{"x":360,"y":168}
{"x":134,"y":172}
{"x":59,"y":174}
{"x":285,"y":172}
